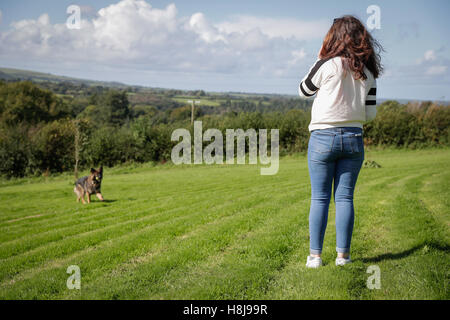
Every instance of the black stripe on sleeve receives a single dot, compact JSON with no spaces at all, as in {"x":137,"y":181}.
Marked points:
{"x":371,"y":102}
{"x":312,"y":73}
{"x":372,"y":92}
{"x":310,"y":85}
{"x":304,"y":92}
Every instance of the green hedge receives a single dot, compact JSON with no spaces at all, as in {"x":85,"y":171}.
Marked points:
{"x":44,"y":143}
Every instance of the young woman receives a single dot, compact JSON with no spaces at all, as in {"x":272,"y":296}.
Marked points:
{"x":343,"y":80}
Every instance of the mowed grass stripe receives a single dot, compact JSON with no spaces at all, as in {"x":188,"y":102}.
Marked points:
{"x":76,"y":228}
{"x":295,"y":281}
{"x":167,"y":229}
{"x":416,"y":265}
{"x":205,"y":194}
{"x":138,"y":278}
{"x":71,"y":244}
{"x":43,"y":219}
{"x":75,"y":225}
{"x":126,"y":248}
{"x":435,"y":198}
{"x":86,"y":211}
{"x":127,"y":183}
{"x":245,"y":268}
{"x":401,"y":226}
{"x":42,"y":255}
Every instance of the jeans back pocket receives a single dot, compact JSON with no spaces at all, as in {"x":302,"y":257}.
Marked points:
{"x":356,"y":143}
{"x":321,"y":142}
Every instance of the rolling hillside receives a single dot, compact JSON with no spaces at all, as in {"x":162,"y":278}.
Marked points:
{"x":17,"y":74}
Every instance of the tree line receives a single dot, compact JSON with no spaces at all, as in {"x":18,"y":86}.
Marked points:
{"x":42,"y":132}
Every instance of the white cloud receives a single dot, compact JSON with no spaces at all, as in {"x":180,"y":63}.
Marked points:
{"x":200,"y":25}
{"x":429,"y":55}
{"x":433,"y":64}
{"x":1,"y":16}
{"x":132,"y":34}
{"x":284,"y":28}
{"x":131,"y":24}
{"x":436,"y":70}
{"x":297,"y":56}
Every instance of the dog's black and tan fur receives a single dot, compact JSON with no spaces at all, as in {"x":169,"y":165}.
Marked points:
{"x":89,"y":185}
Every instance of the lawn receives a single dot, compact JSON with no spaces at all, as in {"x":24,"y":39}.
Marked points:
{"x":226,"y":232}
{"x":208,"y":101}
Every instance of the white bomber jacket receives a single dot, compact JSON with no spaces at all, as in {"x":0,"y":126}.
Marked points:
{"x":341,"y":101}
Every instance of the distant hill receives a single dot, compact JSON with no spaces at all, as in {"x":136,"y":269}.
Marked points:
{"x":16,"y":74}
{"x":10,"y":74}
{"x":405,"y":101}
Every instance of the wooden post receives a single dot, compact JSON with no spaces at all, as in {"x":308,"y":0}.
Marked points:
{"x":192,"y":112}
{"x":77,"y":147}
{"x":193,"y":109}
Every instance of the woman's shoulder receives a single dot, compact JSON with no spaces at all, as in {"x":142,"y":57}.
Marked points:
{"x":370,"y":78}
{"x":336,"y":65}
{"x":333,"y":64}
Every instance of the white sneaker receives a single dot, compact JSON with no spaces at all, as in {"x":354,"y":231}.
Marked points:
{"x":313,"y":262}
{"x":342,"y":261}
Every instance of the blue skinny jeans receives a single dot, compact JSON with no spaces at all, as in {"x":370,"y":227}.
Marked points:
{"x":334,"y":154}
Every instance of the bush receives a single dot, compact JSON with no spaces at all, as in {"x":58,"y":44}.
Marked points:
{"x":25,"y":102}
{"x":153,"y":141}
{"x":36,"y":137}
{"x":15,"y":152}
{"x":109,"y":146}
{"x":421,"y":125}
{"x":53,"y":146}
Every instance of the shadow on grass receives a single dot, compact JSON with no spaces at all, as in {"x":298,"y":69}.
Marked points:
{"x":96,"y":201}
{"x":108,"y":201}
{"x":403,"y":254}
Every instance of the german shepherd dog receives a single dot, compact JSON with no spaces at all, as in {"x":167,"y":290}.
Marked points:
{"x":89,"y":185}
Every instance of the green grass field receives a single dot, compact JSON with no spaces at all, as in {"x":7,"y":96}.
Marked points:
{"x":203,"y":101}
{"x":226,"y":232}
{"x":207,"y":101}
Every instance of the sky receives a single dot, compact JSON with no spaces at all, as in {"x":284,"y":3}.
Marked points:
{"x":254,"y":46}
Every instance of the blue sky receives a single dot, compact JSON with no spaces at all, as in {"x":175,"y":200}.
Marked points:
{"x":248,"y":46}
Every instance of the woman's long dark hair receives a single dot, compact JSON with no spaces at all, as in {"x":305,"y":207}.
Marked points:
{"x":349,"y":39}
